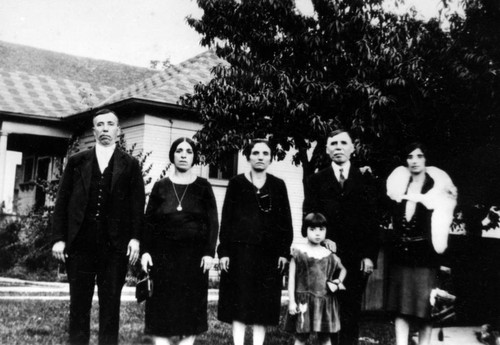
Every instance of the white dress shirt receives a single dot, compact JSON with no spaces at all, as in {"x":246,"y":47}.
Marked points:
{"x":345,"y":170}
{"x":104,"y":154}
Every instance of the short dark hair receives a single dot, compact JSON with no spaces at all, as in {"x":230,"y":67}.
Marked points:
{"x":247,"y":151}
{"x":176,"y":143}
{"x":105,"y":111}
{"x":313,"y":220}
{"x":339,"y":131}
{"x":412,"y":147}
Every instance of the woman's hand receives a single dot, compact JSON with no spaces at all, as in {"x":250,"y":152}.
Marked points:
{"x":146,"y":261}
{"x":292,"y":308}
{"x":224,"y":263}
{"x":282,"y":264}
{"x":330,"y":245}
{"x":206,"y":263}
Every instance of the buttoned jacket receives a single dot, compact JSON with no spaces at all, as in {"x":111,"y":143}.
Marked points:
{"x":125,"y":216}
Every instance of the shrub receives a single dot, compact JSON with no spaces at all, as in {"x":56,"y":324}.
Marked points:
{"x":9,"y":249}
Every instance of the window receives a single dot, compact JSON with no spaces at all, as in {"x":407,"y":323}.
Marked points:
{"x":42,"y":169}
{"x":29,"y":167}
{"x":226,"y":170}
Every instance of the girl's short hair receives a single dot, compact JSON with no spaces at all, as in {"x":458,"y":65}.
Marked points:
{"x":412,"y":147}
{"x":313,"y":220}
{"x":176,"y":143}
{"x":247,"y":151}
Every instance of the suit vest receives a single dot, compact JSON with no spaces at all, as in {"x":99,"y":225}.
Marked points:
{"x":94,"y":233}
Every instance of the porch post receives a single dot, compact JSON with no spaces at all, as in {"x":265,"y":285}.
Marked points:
{"x":3,"y":162}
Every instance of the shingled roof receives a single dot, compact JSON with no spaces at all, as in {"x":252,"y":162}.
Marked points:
{"x":35,"y":61}
{"x":47,"y":97}
{"x":38,"y":88}
{"x":168,"y":86}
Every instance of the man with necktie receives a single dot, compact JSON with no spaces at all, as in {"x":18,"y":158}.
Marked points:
{"x":346,"y":198}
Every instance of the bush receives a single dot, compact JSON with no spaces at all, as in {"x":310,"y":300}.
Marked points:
{"x":25,"y":246}
{"x":36,"y":231}
{"x":9,"y":249}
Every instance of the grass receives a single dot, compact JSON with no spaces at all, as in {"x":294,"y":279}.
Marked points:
{"x":46,"y":322}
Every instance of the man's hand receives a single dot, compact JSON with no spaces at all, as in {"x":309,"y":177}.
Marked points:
{"x":133,"y":251}
{"x":293,"y":308}
{"x":58,"y":251}
{"x":146,"y":262}
{"x":330,"y":245}
{"x":206,"y":263}
{"x":367,"y":266}
{"x":224,"y":263}
{"x":282,"y":264}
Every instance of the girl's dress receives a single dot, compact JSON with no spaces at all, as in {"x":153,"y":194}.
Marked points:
{"x":413,"y":261}
{"x":177,"y":239}
{"x":319,"y":305}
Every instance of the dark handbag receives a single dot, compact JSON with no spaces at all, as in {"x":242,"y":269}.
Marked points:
{"x":144,"y":289}
{"x":443,"y":308}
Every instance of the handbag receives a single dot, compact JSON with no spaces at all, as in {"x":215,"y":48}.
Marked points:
{"x":144,"y":289}
{"x":444,"y":306}
{"x":334,"y":285}
{"x":442,"y":302}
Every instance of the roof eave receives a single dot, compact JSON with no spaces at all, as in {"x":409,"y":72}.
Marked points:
{"x":188,"y":113}
{"x":29,"y":117}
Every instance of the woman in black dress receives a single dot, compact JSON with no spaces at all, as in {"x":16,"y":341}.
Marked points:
{"x":425,"y":198}
{"x":255,"y":238}
{"x":179,"y":245}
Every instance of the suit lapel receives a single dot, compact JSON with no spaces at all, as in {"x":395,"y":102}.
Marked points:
{"x":119,"y":164}
{"x":351,"y":180}
{"x":331,"y":181}
{"x":86,"y":168}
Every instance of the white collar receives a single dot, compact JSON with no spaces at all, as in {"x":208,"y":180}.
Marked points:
{"x":104,"y":154}
{"x":345,"y":169}
{"x":104,"y":151}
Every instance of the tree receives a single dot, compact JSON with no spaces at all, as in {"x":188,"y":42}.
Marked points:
{"x":390,"y":79}
{"x":352,"y":65}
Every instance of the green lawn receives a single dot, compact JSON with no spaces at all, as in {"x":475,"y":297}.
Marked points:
{"x":46,"y":322}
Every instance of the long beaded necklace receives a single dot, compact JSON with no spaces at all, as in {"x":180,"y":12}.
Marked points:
{"x":258,"y":197}
{"x":179,"y":208}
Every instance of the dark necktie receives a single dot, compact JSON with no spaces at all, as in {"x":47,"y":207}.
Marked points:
{"x":341,"y":177}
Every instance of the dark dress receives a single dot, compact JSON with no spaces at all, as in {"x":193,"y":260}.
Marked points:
{"x":177,"y":241}
{"x":256,"y":230}
{"x":413,"y":261}
{"x":311,"y":275}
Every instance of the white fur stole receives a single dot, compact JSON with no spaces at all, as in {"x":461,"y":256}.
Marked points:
{"x":442,"y":197}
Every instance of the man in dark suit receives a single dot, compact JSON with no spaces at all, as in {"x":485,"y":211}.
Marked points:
{"x":97,"y":221}
{"x":344,"y":196}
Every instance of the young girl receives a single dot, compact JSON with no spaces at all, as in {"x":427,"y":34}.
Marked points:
{"x":316,"y":274}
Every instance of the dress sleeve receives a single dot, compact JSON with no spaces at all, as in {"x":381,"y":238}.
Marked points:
{"x":212,"y":220}
{"x":153,"y":204}
{"x":285,"y":226}
{"x":226,"y":226}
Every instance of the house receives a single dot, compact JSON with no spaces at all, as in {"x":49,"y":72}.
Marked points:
{"x":40,"y":109}
{"x":39,"y":93}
